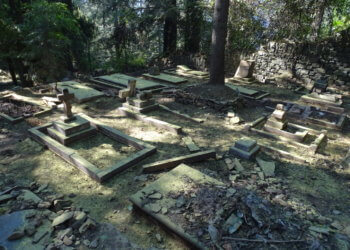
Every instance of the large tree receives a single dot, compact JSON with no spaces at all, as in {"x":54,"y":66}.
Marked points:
{"x":218,"y":41}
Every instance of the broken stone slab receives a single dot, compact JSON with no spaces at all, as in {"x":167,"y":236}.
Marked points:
{"x":268,"y":167}
{"x":62,"y":218}
{"x":15,"y":222}
{"x":245,"y":144}
{"x":29,"y":196}
{"x":238,"y":165}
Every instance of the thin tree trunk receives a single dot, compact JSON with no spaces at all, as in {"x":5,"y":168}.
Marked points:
{"x":218,"y":41}
{"x":317,"y":22}
{"x":170,"y":29}
{"x":12,"y":71}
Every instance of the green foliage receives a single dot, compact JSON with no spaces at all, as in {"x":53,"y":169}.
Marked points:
{"x":47,"y":29}
{"x":245,"y":28}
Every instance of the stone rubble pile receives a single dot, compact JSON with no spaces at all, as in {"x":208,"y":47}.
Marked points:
{"x":306,"y":63}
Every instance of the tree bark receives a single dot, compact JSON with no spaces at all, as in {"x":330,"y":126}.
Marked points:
{"x":170,"y":29}
{"x":218,"y":41}
{"x":12,"y":70}
{"x":317,"y":22}
{"x":192,"y":29}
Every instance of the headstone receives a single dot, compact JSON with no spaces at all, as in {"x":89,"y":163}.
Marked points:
{"x":245,"y":69}
{"x":66,"y":97}
{"x":245,"y":148}
{"x":278,"y":118}
{"x":130,"y":91}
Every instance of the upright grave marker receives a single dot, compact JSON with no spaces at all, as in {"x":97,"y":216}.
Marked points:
{"x":66,"y":97}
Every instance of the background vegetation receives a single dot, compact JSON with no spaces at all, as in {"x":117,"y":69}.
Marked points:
{"x":48,"y":40}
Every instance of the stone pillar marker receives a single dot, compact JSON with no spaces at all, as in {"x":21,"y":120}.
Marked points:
{"x":66,"y":97}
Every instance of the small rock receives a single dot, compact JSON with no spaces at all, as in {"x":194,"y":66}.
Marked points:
{"x":267,"y":167}
{"x":67,"y":241}
{"x":156,"y":196}
{"x":6,"y":197}
{"x":155,"y":207}
{"x":230,"y":192}
{"x":30,"y":229}
{"x":44,"y":205}
{"x":238,"y":165}
{"x":180,"y":201}
{"x":94,"y":243}
{"x":86,"y":243}
{"x":336,"y":212}
{"x":159,"y":238}
{"x":336,"y":224}
{"x":164,"y":210}
{"x":88,"y":224}
{"x":62,"y":218}
{"x":42,"y":188}
{"x":16,"y":235}
{"x":39,"y":235}
{"x":66,"y":232}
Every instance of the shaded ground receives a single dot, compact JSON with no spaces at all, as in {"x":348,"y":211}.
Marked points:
{"x":317,"y":193}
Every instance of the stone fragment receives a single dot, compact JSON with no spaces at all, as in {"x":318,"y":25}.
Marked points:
{"x":159,"y":238}
{"x":39,"y":235}
{"x":44,"y":205}
{"x":156,"y":196}
{"x":88,"y":224}
{"x":16,"y":235}
{"x":94,"y":243}
{"x":238,"y":165}
{"x":67,"y":241}
{"x":6,"y":197}
{"x":155,"y":207}
{"x":62,"y":218}
{"x":30,"y":229}
{"x":267,"y":167}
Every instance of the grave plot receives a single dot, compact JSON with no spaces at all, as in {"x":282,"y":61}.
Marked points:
{"x":15,"y":108}
{"x":82,"y":93}
{"x":248,"y":93}
{"x":183,"y":70}
{"x":205,"y":212}
{"x":58,"y":135}
{"x":309,"y":114}
{"x":136,"y":106}
{"x":120,"y":81}
{"x":166,"y":78}
{"x":328,"y":102}
{"x":278,"y":128}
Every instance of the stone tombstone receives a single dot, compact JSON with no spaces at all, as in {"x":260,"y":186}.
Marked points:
{"x":245,"y":69}
{"x":66,"y":98}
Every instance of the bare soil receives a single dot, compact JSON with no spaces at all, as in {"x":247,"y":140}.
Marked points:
{"x":315,"y":193}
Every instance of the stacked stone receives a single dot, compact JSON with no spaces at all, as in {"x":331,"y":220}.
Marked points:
{"x":327,"y":61}
{"x":278,"y":118}
{"x":142,"y":103}
{"x":245,"y":148}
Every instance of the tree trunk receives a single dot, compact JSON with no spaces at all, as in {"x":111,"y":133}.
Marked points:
{"x":317,"y":22}
{"x":218,"y":41}
{"x":12,"y":70}
{"x":192,"y":29}
{"x":170,"y":29}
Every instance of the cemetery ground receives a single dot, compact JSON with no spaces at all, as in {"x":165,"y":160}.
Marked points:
{"x":314,"y":194}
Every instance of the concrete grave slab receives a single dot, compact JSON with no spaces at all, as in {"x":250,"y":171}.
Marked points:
{"x":82,"y":92}
{"x":122,"y":81}
{"x":248,"y":93}
{"x":176,"y":180}
{"x":165,"y":78}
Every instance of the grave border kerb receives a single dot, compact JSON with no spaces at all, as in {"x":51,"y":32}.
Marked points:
{"x":22,"y":118}
{"x":72,"y":157}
